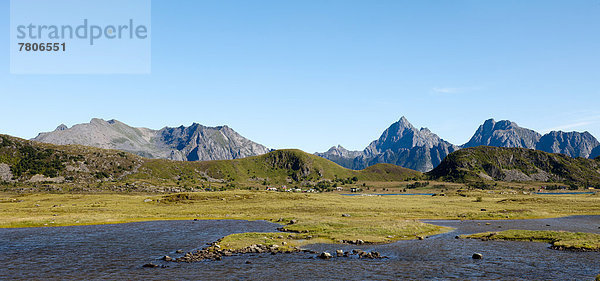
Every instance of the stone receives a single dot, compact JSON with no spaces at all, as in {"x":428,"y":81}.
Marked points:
{"x":167,"y":258}
{"x":325,"y":255}
{"x":150,"y":265}
{"x":339,"y":253}
{"x":293,"y":222}
{"x":420,"y":237}
{"x":345,"y":215}
{"x":477,"y":256}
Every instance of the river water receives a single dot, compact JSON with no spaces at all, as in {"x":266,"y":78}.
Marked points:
{"x":109,"y":252}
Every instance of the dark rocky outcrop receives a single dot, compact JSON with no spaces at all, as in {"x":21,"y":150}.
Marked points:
{"x":516,"y":164}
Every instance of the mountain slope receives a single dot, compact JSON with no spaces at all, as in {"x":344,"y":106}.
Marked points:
{"x":192,"y":143}
{"x":503,"y":134}
{"x":516,"y":164}
{"x":595,"y":152}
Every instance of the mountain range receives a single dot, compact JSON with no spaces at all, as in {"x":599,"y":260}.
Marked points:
{"x":419,"y":149}
{"x":401,"y":144}
{"x":193,"y":143}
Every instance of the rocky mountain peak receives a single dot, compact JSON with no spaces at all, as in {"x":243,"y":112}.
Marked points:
{"x":503,"y":133}
{"x":61,"y":127}
{"x":574,"y":144}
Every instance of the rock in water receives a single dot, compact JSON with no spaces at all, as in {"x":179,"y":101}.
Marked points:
{"x":477,"y":256}
{"x":325,"y":255}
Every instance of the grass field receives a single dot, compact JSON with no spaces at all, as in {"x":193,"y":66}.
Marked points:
{"x":558,"y":239}
{"x":373,"y":219}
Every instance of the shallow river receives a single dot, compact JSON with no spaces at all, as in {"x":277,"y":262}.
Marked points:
{"x":119,"y":251}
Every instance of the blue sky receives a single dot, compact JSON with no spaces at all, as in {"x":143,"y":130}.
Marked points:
{"x":312,"y":74}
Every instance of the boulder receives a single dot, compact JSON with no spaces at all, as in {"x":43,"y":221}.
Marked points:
{"x":345,"y":215}
{"x":477,"y":256}
{"x":339,"y":253}
{"x":325,"y":255}
{"x":167,"y":258}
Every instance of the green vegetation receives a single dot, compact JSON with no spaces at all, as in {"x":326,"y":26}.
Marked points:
{"x":559,"y":239}
{"x":73,"y":163}
{"x":516,"y":164}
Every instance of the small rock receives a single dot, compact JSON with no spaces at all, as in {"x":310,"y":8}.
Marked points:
{"x":248,"y":262}
{"x":420,"y":237}
{"x":456,"y":237}
{"x":547,"y":225}
{"x":167,"y":258}
{"x":309,"y":237}
{"x":179,"y":251}
{"x":280,"y":237}
{"x":147,"y":200}
{"x":150,"y":265}
{"x":345,"y":215}
{"x":284,"y":243}
{"x":483,"y":210}
{"x":390,"y":236}
{"x":293,"y":222}
{"x":325,"y":255}
{"x":477,"y":256}
{"x":487,"y":223}
{"x":339,"y":253}
{"x":359,"y":242}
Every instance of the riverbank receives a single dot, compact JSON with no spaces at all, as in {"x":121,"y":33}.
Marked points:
{"x":560,"y":240}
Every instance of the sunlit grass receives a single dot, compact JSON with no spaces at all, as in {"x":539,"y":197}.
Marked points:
{"x":374,"y":219}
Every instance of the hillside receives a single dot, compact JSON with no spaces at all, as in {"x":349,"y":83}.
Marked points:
{"x":30,"y":163}
{"x":34,"y":162}
{"x":516,"y":164}
{"x":277,"y":167}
